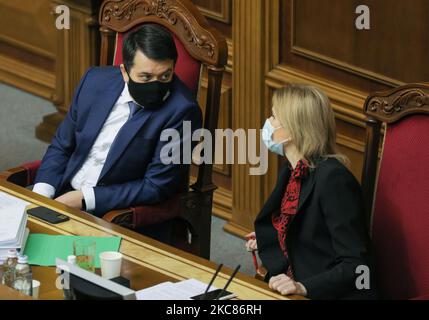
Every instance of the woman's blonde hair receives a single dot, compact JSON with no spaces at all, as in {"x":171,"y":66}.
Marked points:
{"x":305,"y":112}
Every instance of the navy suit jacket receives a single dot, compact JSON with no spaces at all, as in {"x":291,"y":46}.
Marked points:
{"x":133,"y":173}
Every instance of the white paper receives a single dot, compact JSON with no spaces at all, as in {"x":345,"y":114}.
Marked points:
{"x":183,"y":290}
{"x":20,"y":247}
{"x":13,"y":220}
{"x":7,"y":200}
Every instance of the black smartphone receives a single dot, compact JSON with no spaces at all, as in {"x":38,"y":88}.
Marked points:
{"x":212,"y":295}
{"x":47,"y":215}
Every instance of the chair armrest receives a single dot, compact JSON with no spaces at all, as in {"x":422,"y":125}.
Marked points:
{"x":23,"y":175}
{"x":18,"y":176}
{"x":134,"y":218}
{"x":154,"y":214}
{"x":123,"y":218}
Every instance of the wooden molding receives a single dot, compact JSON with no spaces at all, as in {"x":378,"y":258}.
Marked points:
{"x":237,"y":229}
{"x":223,"y":16}
{"x":395,"y":104}
{"x":361,"y":72}
{"x":346,"y":101}
{"x":351,"y":143}
{"x":222,"y":204}
{"x":27,"y":77}
{"x":27,"y":47}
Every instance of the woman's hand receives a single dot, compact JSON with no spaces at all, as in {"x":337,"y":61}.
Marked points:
{"x":251,"y":244}
{"x":286,"y":286}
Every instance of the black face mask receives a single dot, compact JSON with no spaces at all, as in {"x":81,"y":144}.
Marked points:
{"x":149,"y":95}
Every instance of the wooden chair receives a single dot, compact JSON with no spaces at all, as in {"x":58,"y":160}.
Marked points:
{"x":198,"y":45}
{"x":396,"y":192}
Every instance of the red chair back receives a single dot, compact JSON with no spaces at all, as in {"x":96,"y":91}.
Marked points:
{"x":187,"y":68}
{"x":401,"y":210}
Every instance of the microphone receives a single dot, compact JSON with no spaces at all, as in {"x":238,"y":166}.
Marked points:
{"x":211,"y":281}
{"x":229,"y":281}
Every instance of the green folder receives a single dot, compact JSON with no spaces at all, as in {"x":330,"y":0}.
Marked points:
{"x":43,"y":249}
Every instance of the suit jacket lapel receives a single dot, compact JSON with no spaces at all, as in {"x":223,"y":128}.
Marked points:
{"x":274,"y":201}
{"x":306,"y":189}
{"x":98,"y":116}
{"x":123,"y":138}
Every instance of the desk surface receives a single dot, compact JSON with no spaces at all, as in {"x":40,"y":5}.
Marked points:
{"x":146,"y":261}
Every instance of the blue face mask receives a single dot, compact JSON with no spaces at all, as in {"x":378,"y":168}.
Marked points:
{"x":267,"y":137}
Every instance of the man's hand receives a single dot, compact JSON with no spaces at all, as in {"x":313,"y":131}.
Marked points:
{"x":72,"y":199}
{"x":286,"y":286}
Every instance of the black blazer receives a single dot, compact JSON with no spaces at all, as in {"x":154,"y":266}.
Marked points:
{"x":326,"y":240}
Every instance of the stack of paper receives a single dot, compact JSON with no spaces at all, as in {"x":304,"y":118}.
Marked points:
{"x":183,"y":290}
{"x":13,"y":222}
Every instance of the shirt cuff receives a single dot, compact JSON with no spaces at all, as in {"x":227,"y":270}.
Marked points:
{"x":44,"y":189}
{"x":89,"y":196}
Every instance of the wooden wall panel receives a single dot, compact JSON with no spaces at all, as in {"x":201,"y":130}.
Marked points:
{"x":77,"y":49}
{"x":27,"y":46}
{"x":216,"y":9}
{"x":320,"y":37}
{"x":218,"y":13}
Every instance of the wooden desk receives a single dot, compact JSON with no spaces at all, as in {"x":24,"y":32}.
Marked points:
{"x":7,"y":293}
{"x":146,"y":261}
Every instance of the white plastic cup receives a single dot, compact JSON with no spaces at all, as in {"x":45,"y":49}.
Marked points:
{"x":111,"y":263}
{"x":36,"y":286}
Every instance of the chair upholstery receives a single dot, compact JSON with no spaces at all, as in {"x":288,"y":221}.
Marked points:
{"x":400,"y":206}
{"x":401,"y":212}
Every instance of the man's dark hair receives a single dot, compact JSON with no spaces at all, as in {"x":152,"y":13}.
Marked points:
{"x":153,"y":40}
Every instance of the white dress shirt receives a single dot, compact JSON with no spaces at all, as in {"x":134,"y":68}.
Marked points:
{"x":87,"y":177}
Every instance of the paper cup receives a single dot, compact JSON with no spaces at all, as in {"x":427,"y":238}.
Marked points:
{"x":110,"y":264}
{"x":36,"y":286}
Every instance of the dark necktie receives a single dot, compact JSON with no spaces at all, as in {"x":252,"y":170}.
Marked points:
{"x":134,"y":108}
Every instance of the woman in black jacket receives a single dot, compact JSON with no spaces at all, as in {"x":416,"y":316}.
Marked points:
{"x":310,"y":234}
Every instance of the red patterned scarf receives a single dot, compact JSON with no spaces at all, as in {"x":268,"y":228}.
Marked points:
{"x":289,"y":207}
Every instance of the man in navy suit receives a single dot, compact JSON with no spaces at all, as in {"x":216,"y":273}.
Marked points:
{"x":106,"y":154}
